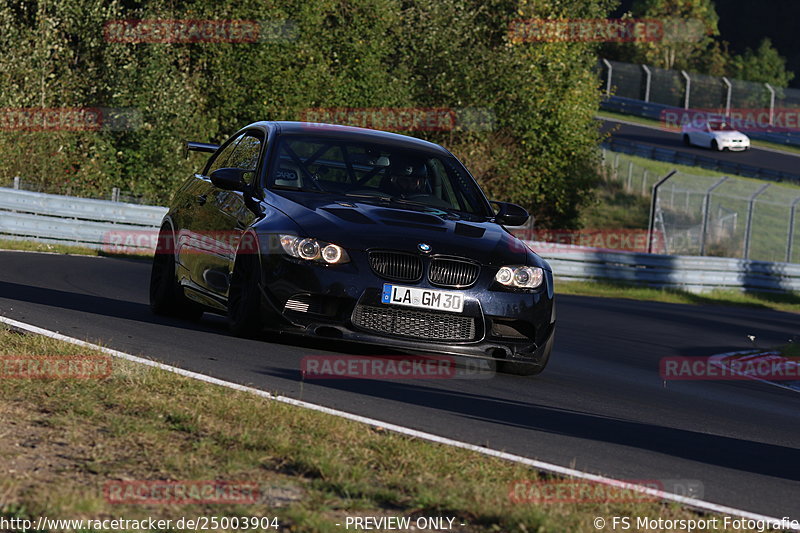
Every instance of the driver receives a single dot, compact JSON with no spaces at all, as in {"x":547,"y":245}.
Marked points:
{"x":405,"y":180}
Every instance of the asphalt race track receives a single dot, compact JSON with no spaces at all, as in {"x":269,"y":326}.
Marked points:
{"x":600,"y":406}
{"x":767,"y":159}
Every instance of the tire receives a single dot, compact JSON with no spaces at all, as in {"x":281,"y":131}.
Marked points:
{"x":686,"y":140}
{"x":244,"y":296}
{"x":527,"y":369}
{"x":715,"y":146}
{"x":166,"y":296}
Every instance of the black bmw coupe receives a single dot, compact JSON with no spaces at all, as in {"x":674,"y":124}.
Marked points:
{"x":355,"y":234}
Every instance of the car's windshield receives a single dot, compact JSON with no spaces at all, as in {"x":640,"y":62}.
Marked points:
{"x":718,"y":126}
{"x":375,"y":171}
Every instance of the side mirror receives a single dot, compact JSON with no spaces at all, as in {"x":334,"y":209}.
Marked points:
{"x":510,"y":214}
{"x":230,"y":179}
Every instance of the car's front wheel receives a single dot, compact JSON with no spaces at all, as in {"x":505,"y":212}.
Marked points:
{"x":715,"y":146}
{"x":166,"y":296}
{"x":686,"y":140}
{"x":529,"y":369}
{"x":244,"y":296}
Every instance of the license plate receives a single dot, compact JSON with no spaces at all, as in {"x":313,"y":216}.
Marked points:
{"x":423,"y":298}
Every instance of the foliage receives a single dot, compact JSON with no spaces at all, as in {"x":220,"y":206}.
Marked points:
{"x":693,"y":43}
{"x":540,"y":150}
{"x":764,"y":65}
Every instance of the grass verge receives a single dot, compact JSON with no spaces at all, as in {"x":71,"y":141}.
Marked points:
{"x":789,"y":302}
{"x":71,"y":249}
{"x":611,"y":115}
{"x":64,"y":440}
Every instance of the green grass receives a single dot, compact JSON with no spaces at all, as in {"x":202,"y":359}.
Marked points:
{"x":611,"y":115}
{"x":613,"y":207}
{"x":789,"y":302}
{"x":64,"y":440}
{"x":70,"y":249}
{"x":790,"y":350}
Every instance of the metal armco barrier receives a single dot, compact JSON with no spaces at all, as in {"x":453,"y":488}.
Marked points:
{"x":86,"y":222}
{"x":83,"y":222}
{"x":694,"y":274}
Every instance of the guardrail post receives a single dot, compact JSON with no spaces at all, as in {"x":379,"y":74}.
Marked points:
{"x":728,"y":96}
{"x":771,"y":103}
{"x":749,"y":225}
{"x":791,"y":230}
{"x":653,"y":202}
{"x":608,"y":79}
{"x":648,"y":77}
{"x":16,"y":182}
{"x":115,"y":194}
{"x":688,"y":89}
{"x":706,"y":200}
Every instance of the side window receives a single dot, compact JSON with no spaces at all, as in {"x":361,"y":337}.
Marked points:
{"x":247,"y":152}
{"x":220,"y":158}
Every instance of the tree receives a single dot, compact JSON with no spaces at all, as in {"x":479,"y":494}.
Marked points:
{"x":690,"y":27}
{"x":763,"y":65}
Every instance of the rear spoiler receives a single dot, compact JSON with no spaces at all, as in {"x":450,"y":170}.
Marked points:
{"x":199,"y":147}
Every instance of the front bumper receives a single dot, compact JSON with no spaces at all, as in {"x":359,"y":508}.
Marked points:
{"x":344,"y":301}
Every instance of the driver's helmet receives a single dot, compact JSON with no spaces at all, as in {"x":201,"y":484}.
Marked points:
{"x":405,"y":178}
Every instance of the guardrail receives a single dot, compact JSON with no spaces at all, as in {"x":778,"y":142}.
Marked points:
{"x":691,"y":273}
{"x":84,"y":222}
{"x":640,"y":108}
{"x":87,"y":222}
{"x":684,"y":158}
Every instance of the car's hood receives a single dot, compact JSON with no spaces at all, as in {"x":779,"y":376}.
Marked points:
{"x":370,"y":224}
{"x":729,"y":135}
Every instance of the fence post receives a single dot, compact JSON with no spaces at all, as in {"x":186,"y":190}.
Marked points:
{"x":688,"y":89}
{"x":727,"y":96}
{"x":16,"y":182}
{"x":653,"y":202}
{"x":791,"y":230}
{"x":630,"y":173}
{"x":749,"y":225}
{"x":771,"y":103}
{"x":648,"y":77}
{"x":644,"y":181}
{"x":704,"y":228}
{"x":115,"y":194}
{"x":608,"y":79}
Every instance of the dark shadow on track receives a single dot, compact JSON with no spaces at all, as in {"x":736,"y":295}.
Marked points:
{"x":765,"y":459}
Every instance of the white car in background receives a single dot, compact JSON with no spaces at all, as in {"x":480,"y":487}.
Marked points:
{"x":716,"y":134}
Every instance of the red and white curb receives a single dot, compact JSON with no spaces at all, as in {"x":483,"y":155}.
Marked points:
{"x":754,"y":358}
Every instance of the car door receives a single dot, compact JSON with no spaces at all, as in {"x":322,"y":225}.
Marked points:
{"x":192,"y":236}
{"x":226,"y":215}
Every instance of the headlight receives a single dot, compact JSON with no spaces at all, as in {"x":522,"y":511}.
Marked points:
{"x":313,"y":250}
{"x":523,"y":277}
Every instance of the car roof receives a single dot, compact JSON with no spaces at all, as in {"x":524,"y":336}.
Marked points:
{"x":317,"y":129}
